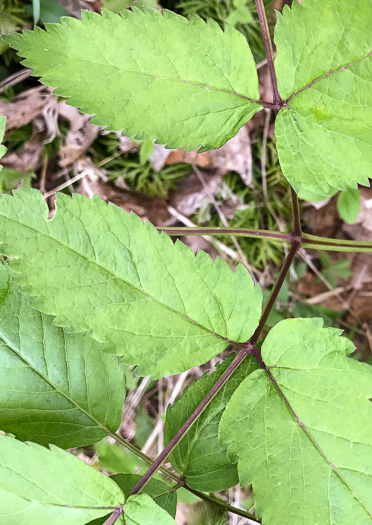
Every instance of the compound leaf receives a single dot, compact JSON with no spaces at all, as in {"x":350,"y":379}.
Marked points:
{"x":55,"y":387}
{"x":199,"y":457}
{"x":39,"y":486}
{"x":155,"y":76}
{"x":324,"y":70}
{"x":105,"y":272}
{"x":317,"y":468}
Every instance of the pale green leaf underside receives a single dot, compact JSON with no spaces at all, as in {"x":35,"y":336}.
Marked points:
{"x":55,"y":387}
{"x":2,"y":131}
{"x":155,"y":76}
{"x":199,"y":457}
{"x":293,"y":480}
{"x":105,"y":272}
{"x":39,"y":486}
{"x":324,"y":137}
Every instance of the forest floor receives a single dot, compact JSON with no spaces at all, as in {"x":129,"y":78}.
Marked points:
{"x":52,"y":147}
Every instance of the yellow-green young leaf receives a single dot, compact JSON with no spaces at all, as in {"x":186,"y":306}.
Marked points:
{"x":39,"y":486}
{"x":2,"y":131}
{"x":310,"y":464}
{"x":55,"y":387}
{"x":155,"y":76}
{"x":199,"y":457}
{"x":324,"y":70}
{"x":103,"y":271}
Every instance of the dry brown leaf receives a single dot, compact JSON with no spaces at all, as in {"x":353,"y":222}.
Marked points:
{"x":80,"y":136}
{"x":192,"y":194}
{"x":28,"y":158}
{"x":235,"y":155}
{"x":26,"y":106}
{"x":153,"y":209}
{"x":192,"y":157}
{"x":159,"y":156}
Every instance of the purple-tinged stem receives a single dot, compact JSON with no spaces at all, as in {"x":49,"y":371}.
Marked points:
{"x":171,"y":445}
{"x":269,"y":52}
{"x":244,"y":352}
{"x":275,"y":291}
{"x":114,"y":516}
{"x":296,"y":216}
{"x":237,"y":232}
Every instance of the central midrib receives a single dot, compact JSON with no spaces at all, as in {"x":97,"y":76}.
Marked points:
{"x":328,"y":74}
{"x":49,"y":382}
{"x":153,"y":75}
{"x":309,"y":435}
{"x":128,"y":283}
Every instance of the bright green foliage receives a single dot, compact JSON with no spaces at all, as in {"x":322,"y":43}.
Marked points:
{"x":162,"y":494}
{"x":199,"y":457}
{"x":348,"y":205}
{"x":317,"y":469}
{"x":324,"y":60}
{"x":157,"y":76}
{"x":39,"y":486}
{"x":106,"y":273}
{"x":55,"y":387}
{"x":2,"y":131}
{"x":141,"y":509}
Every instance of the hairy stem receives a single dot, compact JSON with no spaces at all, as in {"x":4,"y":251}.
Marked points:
{"x":269,"y":52}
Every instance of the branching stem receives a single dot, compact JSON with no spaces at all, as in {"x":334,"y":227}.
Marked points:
{"x":296,"y":239}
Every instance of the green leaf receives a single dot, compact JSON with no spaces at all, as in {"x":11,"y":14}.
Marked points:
{"x":3,"y":149}
{"x":11,"y":179}
{"x":114,"y":458}
{"x":199,"y":457}
{"x":162,"y":494}
{"x":105,"y":272}
{"x":147,"y":147}
{"x":51,"y":11}
{"x":36,"y":10}
{"x":348,"y":205}
{"x":141,"y":509}
{"x":55,"y":387}
{"x":324,"y":70}
{"x":317,"y":468}
{"x":39,"y":486}
{"x":152,"y":75}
